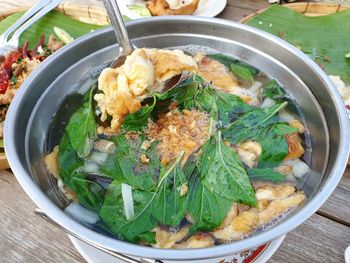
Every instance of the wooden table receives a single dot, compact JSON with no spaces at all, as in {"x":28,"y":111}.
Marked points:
{"x":26,"y":238}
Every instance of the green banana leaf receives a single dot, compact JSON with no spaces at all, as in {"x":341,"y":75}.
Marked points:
{"x":45,"y":26}
{"x":326,"y":39}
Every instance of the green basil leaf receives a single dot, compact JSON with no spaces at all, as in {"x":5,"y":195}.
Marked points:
{"x":170,"y":203}
{"x":68,"y":159}
{"x":149,"y":237}
{"x":112,"y":213}
{"x":230,"y":107}
{"x":225,"y":60}
{"x":207,"y":208}
{"x":273,"y":90}
{"x":89,"y":193}
{"x":228,"y":61}
{"x":250,"y":124}
{"x":184,"y":93}
{"x":139,"y":119}
{"x":266,"y":174}
{"x":168,"y":209}
{"x":111,"y":168}
{"x":242,"y":72}
{"x":222,"y":172}
{"x":283,"y":129}
{"x":194,"y":93}
{"x":81,"y":128}
{"x":126,"y":162}
{"x":274,"y":145}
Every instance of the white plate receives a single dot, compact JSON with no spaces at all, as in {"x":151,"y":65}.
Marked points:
{"x":347,"y":255}
{"x":207,"y":8}
{"x":259,"y":255}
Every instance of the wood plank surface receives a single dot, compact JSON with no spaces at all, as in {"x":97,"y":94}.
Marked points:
{"x":319,"y":240}
{"x":337,"y":206}
{"x":237,"y":9}
{"x":253,"y":5}
{"x":25,"y":238}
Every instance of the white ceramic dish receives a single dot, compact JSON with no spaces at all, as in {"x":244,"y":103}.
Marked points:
{"x":207,"y":8}
{"x":259,"y":255}
{"x":347,"y":255}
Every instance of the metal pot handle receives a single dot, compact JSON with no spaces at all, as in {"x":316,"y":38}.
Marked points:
{"x":122,"y":257}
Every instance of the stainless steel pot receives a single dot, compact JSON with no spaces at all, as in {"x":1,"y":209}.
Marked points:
{"x":68,"y":70}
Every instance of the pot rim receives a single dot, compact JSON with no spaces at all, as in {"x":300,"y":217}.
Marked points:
{"x":44,"y":203}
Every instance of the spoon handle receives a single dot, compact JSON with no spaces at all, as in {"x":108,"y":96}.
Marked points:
{"x":118,"y":26}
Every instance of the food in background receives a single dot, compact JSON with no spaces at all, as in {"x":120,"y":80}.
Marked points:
{"x":15,"y":68}
{"x":172,"y":7}
{"x":343,"y":90}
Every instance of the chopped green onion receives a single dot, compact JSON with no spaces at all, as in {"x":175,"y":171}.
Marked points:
{"x":128,"y":201}
{"x":140,"y":10}
{"x":63,"y":35}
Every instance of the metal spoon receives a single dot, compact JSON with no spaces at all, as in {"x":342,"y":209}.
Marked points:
{"x":125,"y":47}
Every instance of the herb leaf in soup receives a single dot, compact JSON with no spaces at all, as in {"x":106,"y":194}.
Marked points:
{"x":111,"y":168}
{"x":81,"y":128}
{"x":139,"y":119}
{"x":68,"y":158}
{"x":242,"y":72}
{"x":229,"y":107}
{"x":207,"y":208}
{"x":262,"y":125}
{"x":274,"y":145}
{"x":89,"y":193}
{"x":126,"y":163}
{"x":167,"y":204}
{"x":194,"y":93}
{"x":251,"y":124}
{"x":170,"y":203}
{"x":221,"y":171}
{"x":238,"y":68}
{"x":228,"y":61}
{"x":265,"y":174}
{"x":184,"y":93}
{"x":149,"y":237}
{"x":112,"y":213}
{"x":273,"y":90}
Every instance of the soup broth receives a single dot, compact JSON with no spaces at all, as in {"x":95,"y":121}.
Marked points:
{"x":221,"y":155}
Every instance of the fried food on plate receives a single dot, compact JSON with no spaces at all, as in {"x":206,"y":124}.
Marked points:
{"x":172,"y":7}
